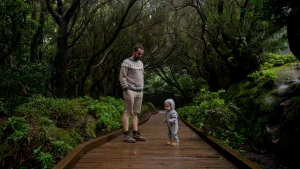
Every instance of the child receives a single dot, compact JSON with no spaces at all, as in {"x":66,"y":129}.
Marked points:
{"x":172,"y":122}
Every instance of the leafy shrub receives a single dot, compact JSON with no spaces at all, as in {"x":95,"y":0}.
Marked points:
{"x":60,"y":148}
{"x":33,"y":76}
{"x":147,"y":107}
{"x":270,"y":60}
{"x":14,"y":142}
{"x":108,"y":112}
{"x":3,"y":108}
{"x":66,"y":136}
{"x":46,"y":159}
{"x":214,"y":116}
{"x":263,"y":77}
{"x":16,"y":128}
{"x":50,"y":128}
{"x":63,"y":112}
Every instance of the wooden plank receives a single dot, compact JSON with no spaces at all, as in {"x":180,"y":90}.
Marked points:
{"x":74,"y":156}
{"x":193,"y":151}
{"x":235,"y":157}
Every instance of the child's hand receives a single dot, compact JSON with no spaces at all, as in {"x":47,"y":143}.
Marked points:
{"x":170,"y":120}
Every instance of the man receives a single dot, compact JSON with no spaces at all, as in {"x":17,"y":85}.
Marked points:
{"x":132,"y":83}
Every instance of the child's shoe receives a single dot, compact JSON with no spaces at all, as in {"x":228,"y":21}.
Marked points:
{"x":169,"y":142}
{"x":174,"y":144}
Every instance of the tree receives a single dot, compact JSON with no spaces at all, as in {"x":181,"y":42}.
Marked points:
{"x":101,"y":48}
{"x":232,"y":35}
{"x":37,"y":39}
{"x":14,"y":27}
{"x":285,"y":13}
{"x":62,"y":18}
{"x":62,"y":15}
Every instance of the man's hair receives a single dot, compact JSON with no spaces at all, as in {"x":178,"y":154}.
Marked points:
{"x":138,"y":46}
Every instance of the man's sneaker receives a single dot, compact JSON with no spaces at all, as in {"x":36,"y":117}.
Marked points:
{"x":138,"y":137}
{"x":129,"y":139}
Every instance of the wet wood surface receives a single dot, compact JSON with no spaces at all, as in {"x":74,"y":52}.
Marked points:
{"x":193,"y":152}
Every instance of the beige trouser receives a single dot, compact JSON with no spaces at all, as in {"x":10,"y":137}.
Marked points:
{"x":132,"y":101}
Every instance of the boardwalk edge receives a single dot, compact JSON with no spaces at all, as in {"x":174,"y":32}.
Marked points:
{"x":235,"y":157}
{"x":74,"y":156}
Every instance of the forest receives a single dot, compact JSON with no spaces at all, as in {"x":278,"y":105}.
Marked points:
{"x":232,"y":67}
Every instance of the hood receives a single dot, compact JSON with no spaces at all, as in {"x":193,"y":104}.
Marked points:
{"x":172,"y":103}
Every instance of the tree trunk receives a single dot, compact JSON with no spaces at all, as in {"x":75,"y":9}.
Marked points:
{"x":60,"y":62}
{"x":59,"y":74}
{"x":293,"y":34}
{"x":37,"y":37}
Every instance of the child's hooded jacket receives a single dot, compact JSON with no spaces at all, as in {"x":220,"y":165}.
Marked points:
{"x":172,"y":114}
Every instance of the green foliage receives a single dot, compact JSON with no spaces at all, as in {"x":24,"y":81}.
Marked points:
{"x":56,"y":126}
{"x":155,"y":84}
{"x":76,"y":136}
{"x":187,"y":84}
{"x":67,"y":137}
{"x":45,"y":128}
{"x":257,"y":130}
{"x":117,"y":103}
{"x":238,"y":50}
{"x":3,"y":108}
{"x":33,"y":76}
{"x":263,"y":77}
{"x":14,"y":24}
{"x":60,"y":148}
{"x":63,"y":112}
{"x":16,"y":128}
{"x":247,"y":96}
{"x":270,"y":76}
{"x":46,"y":125}
{"x":255,"y":75}
{"x":91,"y":127}
{"x":211,"y":97}
{"x":108,"y":112}
{"x":210,"y":113}
{"x":16,"y":31}
{"x":179,"y":82}
{"x":147,"y":107}
{"x":14,"y":142}
{"x":262,"y":105}
{"x":46,"y":159}
{"x":270,"y":60}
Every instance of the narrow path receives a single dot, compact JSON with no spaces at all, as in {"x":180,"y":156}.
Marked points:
{"x":192,"y":153}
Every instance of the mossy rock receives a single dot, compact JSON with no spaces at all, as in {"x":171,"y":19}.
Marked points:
{"x":286,"y":73}
{"x":259,"y":101}
{"x":246,"y":92}
{"x":270,"y":103}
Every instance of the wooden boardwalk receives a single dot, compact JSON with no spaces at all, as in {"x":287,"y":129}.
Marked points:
{"x":193,"y":152}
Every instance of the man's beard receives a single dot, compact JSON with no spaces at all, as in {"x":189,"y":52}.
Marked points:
{"x":136,"y":58}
